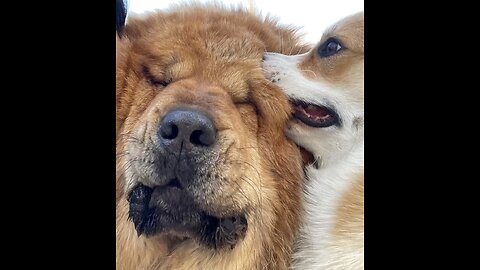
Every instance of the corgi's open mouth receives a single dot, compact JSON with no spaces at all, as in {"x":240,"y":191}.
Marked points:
{"x":314,"y":115}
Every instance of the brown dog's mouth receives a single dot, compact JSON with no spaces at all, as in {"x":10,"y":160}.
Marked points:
{"x":314,"y":115}
{"x":174,"y":183}
{"x":169,"y":209}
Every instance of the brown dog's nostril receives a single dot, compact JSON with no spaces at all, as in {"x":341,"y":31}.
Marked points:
{"x":168,"y":131}
{"x":198,"y":137}
{"x":188,"y":126}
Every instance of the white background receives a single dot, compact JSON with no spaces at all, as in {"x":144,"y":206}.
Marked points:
{"x":312,"y":15}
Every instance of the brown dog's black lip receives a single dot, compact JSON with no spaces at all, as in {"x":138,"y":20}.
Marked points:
{"x":313,"y":115}
{"x":169,"y":209}
{"x":225,"y":232}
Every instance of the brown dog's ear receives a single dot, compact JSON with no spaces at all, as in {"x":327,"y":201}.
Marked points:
{"x":138,"y":26}
{"x":135,"y":28}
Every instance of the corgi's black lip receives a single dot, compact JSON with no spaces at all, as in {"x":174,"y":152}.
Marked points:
{"x":333,"y":120}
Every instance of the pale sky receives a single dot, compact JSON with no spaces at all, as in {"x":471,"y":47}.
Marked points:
{"x":312,"y":15}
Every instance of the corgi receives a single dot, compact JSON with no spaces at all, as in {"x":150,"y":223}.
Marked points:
{"x":326,"y":89}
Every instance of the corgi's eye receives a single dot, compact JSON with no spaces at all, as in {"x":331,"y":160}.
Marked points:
{"x":330,"y":47}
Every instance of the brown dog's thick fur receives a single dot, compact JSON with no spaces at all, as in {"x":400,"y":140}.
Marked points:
{"x":210,"y":58}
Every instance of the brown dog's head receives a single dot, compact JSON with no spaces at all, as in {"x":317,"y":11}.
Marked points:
{"x":201,"y":153}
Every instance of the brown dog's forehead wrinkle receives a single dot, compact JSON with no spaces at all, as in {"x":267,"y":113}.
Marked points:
{"x":199,"y":94}
{"x":198,"y":91}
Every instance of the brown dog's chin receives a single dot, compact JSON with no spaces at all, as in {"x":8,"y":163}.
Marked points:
{"x":169,"y":210}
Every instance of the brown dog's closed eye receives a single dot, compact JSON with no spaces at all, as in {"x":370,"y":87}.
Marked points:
{"x":152,"y":79}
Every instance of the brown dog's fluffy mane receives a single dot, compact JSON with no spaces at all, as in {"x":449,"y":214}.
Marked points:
{"x":272,"y":227}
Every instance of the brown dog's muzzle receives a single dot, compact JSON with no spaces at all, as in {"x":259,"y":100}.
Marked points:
{"x":189,"y":134}
{"x":183,"y":167}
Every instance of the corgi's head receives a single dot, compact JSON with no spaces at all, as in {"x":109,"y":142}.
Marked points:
{"x":325,"y":87}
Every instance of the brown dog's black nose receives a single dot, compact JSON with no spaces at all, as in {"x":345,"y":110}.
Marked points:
{"x":190,"y":126}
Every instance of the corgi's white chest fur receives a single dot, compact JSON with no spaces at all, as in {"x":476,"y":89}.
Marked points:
{"x":318,"y":246}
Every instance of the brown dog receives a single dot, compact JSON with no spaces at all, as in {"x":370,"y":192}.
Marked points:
{"x":206,"y":178}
